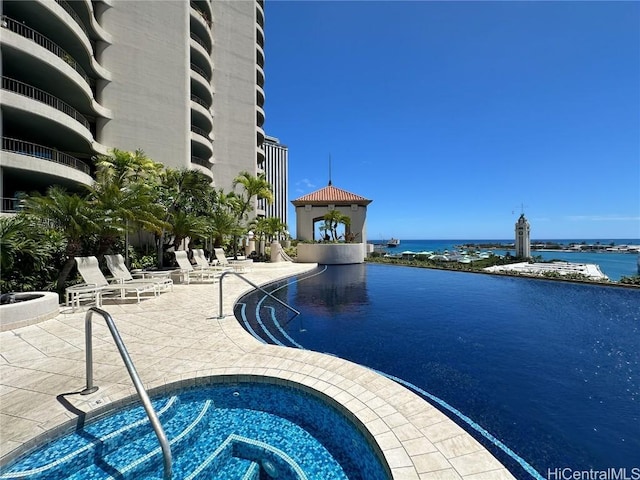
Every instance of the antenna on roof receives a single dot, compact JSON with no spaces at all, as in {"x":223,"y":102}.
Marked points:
{"x":522,"y":205}
{"x":329,"y":169}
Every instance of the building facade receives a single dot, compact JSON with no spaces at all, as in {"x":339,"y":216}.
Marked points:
{"x":181,"y":80}
{"x":523,"y":238}
{"x":276,"y":169}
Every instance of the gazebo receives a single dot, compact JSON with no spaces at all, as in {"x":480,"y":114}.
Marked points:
{"x":311,"y":209}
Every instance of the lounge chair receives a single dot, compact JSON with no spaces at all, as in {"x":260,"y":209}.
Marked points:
{"x":188,"y":271}
{"x":202,"y":262}
{"x":121,"y":274}
{"x":95,"y":284}
{"x":239,"y":266}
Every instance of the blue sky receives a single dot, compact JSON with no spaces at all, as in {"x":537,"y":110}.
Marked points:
{"x":451,"y":116}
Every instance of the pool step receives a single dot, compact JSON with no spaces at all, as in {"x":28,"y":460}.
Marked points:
{"x":235,"y":468}
{"x":81,"y":450}
{"x":143,"y":457}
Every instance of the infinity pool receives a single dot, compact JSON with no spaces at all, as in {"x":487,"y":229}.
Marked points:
{"x":545,"y":374}
{"x":242,"y":430}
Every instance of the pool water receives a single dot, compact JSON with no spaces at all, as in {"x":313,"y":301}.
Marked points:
{"x":545,"y":374}
{"x":227,"y":431}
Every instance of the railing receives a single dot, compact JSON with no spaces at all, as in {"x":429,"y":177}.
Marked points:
{"x":201,"y":13}
{"x":200,"y":42}
{"x":200,"y":101}
{"x":142,"y":393}
{"x":10,"y":205}
{"x":38,"y":151}
{"x":200,"y":161}
{"x":73,"y":14}
{"x":196,"y":68}
{"x":34,"y":93}
{"x":200,"y":131}
{"x":221,"y":315}
{"x":28,"y":32}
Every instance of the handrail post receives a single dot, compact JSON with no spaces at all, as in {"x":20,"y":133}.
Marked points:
{"x":88,"y":342}
{"x":142,"y":393}
{"x":221,"y":315}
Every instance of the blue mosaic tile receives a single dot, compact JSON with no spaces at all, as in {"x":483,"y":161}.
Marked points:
{"x":232,"y":431}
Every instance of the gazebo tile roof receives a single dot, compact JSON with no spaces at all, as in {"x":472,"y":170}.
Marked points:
{"x":331,"y":194}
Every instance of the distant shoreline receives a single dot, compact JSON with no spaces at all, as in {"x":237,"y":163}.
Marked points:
{"x":399,"y":262}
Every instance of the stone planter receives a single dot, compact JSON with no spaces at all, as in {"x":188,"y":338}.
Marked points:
{"x":330,"y":253}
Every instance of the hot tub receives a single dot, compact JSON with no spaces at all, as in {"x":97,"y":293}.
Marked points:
{"x":29,"y":308}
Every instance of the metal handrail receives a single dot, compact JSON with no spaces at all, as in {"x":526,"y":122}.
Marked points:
{"x":41,"y":96}
{"x":142,"y":393}
{"x":40,"y":151}
{"x":45,"y":42}
{"x":254,"y":286}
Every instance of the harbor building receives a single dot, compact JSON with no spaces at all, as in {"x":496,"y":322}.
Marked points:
{"x":181,"y":80}
{"x":276,"y":169}
{"x":523,"y":238}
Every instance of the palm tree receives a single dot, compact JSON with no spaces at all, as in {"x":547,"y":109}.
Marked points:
{"x":332,"y":219}
{"x":123,"y":168}
{"x":124,"y":192}
{"x":187,"y":196}
{"x":71,"y":215}
{"x":187,"y":225}
{"x":275,"y":227}
{"x":253,"y":187}
{"x":224,"y":217}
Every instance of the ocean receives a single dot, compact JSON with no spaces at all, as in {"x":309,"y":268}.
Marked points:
{"x":613,"y":265}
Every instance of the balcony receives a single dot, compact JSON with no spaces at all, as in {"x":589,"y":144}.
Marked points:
{"x":41,"y":96}
{"x":200,"y":72}
{"x":200,"y":58}
{"x":76,"y":18}
{"x":201,"y":13}
{"x":259,"y":116}
{"x":44,"y":42}
{"x":259,"y":96}
{"x":201,"y":143}
{"x":201,"y":161}
{"x":39,"y":151}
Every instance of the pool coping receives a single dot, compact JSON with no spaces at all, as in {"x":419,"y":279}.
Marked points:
{"x":39,"y":396}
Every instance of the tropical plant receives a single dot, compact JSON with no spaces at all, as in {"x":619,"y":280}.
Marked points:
{"x":31,"y":255}
{"x":223,"y":220}
{"x":187,"y":197}
{"x":332,"y":219}
{"x":253,"y":187}
{"x":72,"y":216}
{"x":125,"y":193}
{"x":275,"y":228}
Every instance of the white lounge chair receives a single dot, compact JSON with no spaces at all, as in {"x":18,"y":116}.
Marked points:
{"x":95,"y":284}
{"x":239,"y":266}
{"x":188,"y":271}
{"x":202,"y":262}
{"x":121,"y":274}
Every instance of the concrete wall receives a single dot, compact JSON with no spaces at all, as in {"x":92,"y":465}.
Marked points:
{"x":234,"y":81}
{"x":330,"y":253}
{"x":149,"y":95}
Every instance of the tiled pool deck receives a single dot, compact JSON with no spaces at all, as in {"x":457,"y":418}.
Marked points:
{"x":178,"y":338}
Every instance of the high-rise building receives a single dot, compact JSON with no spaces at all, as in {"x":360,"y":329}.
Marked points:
{"x":276,"y":169}
{"x":181,"y":80}
{"x":523,"y":238}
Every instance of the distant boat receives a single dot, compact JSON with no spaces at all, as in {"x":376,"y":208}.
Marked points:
{"x":394,"y":242}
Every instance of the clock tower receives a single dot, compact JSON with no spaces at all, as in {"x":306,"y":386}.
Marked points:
{"x":523,"y":238}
